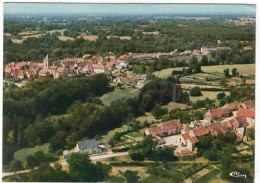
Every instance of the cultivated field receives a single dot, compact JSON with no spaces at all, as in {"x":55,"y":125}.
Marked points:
{"x":151,"y":33}
{"x":27,"y":33}
{"x":64,"y":38}
{"x":120,"y":37}
{"x":17,"y":41}
{"x":89,"y":37}
{"x":35,"y":35}
{"x":118,"y":94}
{"x":244,"y":69}
{"x":57,"y":30}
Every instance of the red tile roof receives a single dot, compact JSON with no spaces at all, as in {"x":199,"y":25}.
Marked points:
{"x":246,"y":112}
{"x":53,"y":67}
{"x":97,"y":66}
{"x":196,"y":51}
{"x":232,"y":106}
{"x":60,"y":69}
{"x":155,"y":131}
{"x":44,"y":72}
{"x":194,"y":140}
{"x":227,"y":124}
{"x":173,"y":124}
{"x":248,"y":104}
{"x":20,"y":73}
{"x":234,"y":123}
{"x":196,"y":123}
{"x":250,"y":81}
{"x":200,"y":131}
{"x":186,"y":136}
{"x":218,"y":112}
{"x":217,"y":128}
{"x":8,"y":70}
{"x":241,"y":119}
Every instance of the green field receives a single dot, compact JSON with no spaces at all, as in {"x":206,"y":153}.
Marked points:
{"x":110,"y":134}
{"x":244,"y":69}
{"x":118,"y":94}
{"x":207,"y":94}
{"x":23,"y":153}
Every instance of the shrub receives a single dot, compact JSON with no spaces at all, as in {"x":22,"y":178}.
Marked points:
{"x":158,"y":111}
{"x":195,"y":91}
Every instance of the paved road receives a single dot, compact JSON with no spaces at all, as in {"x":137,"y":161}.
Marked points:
{"x":108,"y":155}
{"x":64,"y":163}
{"x":6,"y":174}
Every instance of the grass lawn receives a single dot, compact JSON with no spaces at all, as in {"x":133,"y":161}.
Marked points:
{"x":23,"y":153}
{"x":147,"y":117}
{"x":117,"y":94}
{"x":135,"y":134}
{"x":110,"y":134}
{"x":244,"y":69}
{"x":173,"y":105}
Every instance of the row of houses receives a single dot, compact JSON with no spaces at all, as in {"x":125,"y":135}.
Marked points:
{"x":97,"y":64}
{"x":22,"y":70}
{"x":130,"y":80}
{"x":203,"y":51}
{"x":233,"y":117}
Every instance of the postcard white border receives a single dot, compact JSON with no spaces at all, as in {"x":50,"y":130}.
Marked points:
{"x":257,"y":48}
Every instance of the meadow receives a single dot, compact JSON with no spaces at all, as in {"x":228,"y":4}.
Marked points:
{"x":244,"y":69}
{"x":23,"y":153}
{"x":118,"y":94}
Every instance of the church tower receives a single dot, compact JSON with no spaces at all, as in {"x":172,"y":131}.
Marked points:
{"x":46,"y":61}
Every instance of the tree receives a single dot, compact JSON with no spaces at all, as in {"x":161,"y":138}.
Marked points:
{"x":163,"y":154}
{"x":204,"y":60}
{"x":15,"y":165}
{"x":158,"y":111}
{"x":211,"y":154}
{"x":226,"y":72}
{"x":45,"y":173}
{"x":221,"y":95}
{"x":81,"y":169}
{"x":251,"y":133}
{"x":195,"y":91}
{"x":131,"y":176}
{"x":234,"y":71}
{"x":143,"y":149}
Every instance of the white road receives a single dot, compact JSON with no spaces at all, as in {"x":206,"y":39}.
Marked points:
{"x":64,"y":163}
{"x":109,"y":155}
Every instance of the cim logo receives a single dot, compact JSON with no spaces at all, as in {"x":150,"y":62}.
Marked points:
{"x":237,"y":174}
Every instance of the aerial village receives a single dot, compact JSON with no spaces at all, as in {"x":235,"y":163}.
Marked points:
{"x":231,"y":117}
{"x":234,"y":117}
{"x":110,"y":65}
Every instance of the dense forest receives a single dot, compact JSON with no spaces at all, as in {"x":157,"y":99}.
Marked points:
{"x":169,"y":35}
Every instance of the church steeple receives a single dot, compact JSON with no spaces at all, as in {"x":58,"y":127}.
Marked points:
{"x":46,"y":60}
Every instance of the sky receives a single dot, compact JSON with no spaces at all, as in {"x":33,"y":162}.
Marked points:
{"x":63,"y":8}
